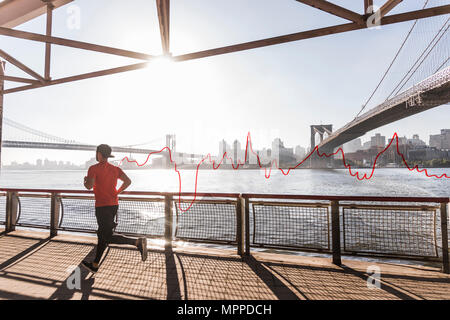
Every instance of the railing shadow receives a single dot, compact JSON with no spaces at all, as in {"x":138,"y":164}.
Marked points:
{"x":43,"y":265}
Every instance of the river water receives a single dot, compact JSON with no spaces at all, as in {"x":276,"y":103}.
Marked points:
{"x":385,"y":182}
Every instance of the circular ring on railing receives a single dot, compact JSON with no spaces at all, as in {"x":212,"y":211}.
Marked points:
{"x":19,"y":207}
{"x":61,"y":216}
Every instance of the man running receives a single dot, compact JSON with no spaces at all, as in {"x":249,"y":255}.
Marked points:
{"x":103,"y":177}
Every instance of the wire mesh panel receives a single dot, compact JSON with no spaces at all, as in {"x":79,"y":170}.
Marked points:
{"x":389,"y":230}
{"x":78,"y":213}
{"x":439,"y":231}
{"x":34,"y":211}
{"x":293,"y":225}
{"x":2,"y":209}
{"x":212,"y":220}
{"x":142,"y":217}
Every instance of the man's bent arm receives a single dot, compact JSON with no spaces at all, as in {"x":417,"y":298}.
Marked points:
{"x":126,"y":183}
{"x":88,"y":183}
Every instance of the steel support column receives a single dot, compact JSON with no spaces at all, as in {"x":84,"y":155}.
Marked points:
{"x":2,"y":84}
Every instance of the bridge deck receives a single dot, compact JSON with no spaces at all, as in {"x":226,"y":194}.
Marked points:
{"x":35,"y":267}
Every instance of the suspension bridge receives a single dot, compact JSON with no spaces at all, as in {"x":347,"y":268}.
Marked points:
{"x":20,"y":136}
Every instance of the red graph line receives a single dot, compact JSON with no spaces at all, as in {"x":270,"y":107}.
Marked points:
{"x":268,"y":171}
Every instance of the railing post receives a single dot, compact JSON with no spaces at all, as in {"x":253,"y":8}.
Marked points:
{"x":336,"y":232}
{"x":444,"y":233}
{"x":247,"y":225}
{"x":168,"y":225}
{"x":55,"y":210}
{"x":12,"y":204}
{"x":240,"y":212}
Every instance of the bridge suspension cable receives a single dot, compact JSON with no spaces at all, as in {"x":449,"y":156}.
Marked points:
{"x":35,"y":132}
{"x":425,"y":55}
{"x":391,"y":64}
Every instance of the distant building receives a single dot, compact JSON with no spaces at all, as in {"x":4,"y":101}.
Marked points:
{"x":378,"y":141}
{"x":280,"y":153}
{"x":224,"y":147}
{"x":427,"y":153}
{"x":300,"y":152}
{"x":353,"y":145}
{"x":366,"y":145}
{"x":441,"y":141}
{"x":415,"y":142}
{"x":90,"y":162}
{"x":236,"y":152}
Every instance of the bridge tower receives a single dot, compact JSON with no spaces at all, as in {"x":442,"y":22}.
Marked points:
{"x":171,"y":144}
{"x":321,"y":129}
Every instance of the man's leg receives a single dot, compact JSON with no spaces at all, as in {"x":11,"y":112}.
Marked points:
{"x":117,"y":238}
{"x":105,"y":221}
{"x":140,"y":243}
{"x":104,"y":234}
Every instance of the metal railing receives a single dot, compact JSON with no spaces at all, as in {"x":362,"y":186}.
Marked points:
{"x":413,"y":228}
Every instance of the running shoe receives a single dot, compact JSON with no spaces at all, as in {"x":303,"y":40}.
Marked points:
{"x":89,"y":266}
{"x":142,"y":247}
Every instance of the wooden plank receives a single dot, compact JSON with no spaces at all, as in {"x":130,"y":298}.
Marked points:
{"x":163,"y":7}
{"x":72,"y":43}
{"x":21,"y":66}
{"x":334,"y":10}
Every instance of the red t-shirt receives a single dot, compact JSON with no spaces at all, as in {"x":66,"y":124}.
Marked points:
{"x":105,"y":175}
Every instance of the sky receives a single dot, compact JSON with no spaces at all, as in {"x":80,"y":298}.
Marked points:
{"x":275,"y":91}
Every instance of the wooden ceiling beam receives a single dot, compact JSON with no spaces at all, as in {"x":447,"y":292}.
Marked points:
{"x":368,"y":4}
{"x":403,"y":17}
{"x":72,"y":43}
{"x":163,"y":7}
{"x":335,"y":10}
{"x":18,"y":79}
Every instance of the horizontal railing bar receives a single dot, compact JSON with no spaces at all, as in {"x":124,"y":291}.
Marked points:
{"x":209,"y":241}
{"x":290,"y":248}
{"x":291,"y":204}
{"x":391,"y":256}
{"x":391,"y":207}
{"x":347,"y":198}
{"x":250,"y":195}
{"x":31,"y":225}
{"x":120,"y":198}
{"x":33,"y":195}
{"x":207,"y":201}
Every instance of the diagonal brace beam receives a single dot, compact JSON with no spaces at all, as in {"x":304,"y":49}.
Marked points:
{"x":21,"y":66}
{"x":388,"y":6}
{"x":334,"y":10}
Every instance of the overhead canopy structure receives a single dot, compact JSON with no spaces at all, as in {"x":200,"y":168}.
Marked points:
{"x":14,"y":12}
